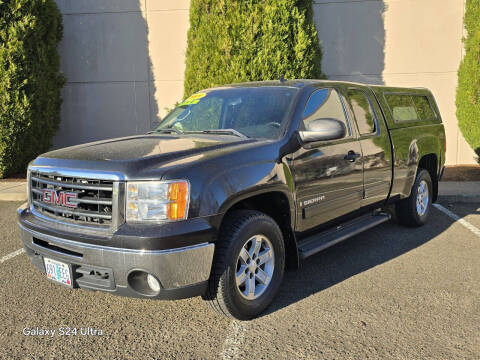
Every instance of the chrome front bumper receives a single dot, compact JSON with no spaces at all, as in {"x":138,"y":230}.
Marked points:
{"x":182,"y":272}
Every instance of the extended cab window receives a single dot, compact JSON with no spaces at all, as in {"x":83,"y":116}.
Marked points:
{"x":424,"y":108}
{"x":324,"y":103}
{"x":402,"y":107}
{"x":362,"y":109}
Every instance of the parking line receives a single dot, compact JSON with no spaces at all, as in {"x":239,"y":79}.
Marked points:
{"x":455,"y":217}
{"x":12,"y":255}
{"x":231,"y":346}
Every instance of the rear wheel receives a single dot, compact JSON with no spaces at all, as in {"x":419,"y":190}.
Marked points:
{"x":248,"y":265}
{"x":415,"y":210}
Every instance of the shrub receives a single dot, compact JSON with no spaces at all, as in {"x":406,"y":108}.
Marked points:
{"x":232,"y":41}
{"x":468,"y":91}
{"x":30,"y":82}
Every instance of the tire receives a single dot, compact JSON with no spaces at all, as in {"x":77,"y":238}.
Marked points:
{"x":241,"y":231}
{"x":408,"y":211}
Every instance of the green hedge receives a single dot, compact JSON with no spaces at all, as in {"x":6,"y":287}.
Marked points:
{"x":468,"y":92}
{"x":232,"y":41}
{"x":30,"y":81}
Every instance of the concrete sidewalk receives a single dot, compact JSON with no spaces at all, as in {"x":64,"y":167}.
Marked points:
{"x":13,"y":190}
{"x":452,"y":191}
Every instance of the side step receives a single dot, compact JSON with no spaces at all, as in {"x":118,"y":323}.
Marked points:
{"x":318,"y":242}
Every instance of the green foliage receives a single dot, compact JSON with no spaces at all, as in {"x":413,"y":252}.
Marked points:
{"x":468,"y":91}
{"x":233,"y":41}
{"x":30,"y":82}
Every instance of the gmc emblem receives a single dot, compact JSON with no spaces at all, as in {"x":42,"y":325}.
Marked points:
{"x":61,"y":198}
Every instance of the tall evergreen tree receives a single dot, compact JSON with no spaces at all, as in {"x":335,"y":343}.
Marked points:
{"x":30,"y":81}
{"x":232,"y":41}
{"x":468,"y":91}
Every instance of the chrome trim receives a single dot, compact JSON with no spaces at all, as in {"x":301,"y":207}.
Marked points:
{"x":174,"y":268}
{"x":91,"y":200}
{"x":70,"y":224}
{"x":118,"y":205}
{"x":73,"y":212}
{"x":72,"y":185}
{"x":83,"y":200}
{"x":88,"y":174}
{"x":117,"y":188}
{"x":29,"y":187}
{"x":66,"y":242}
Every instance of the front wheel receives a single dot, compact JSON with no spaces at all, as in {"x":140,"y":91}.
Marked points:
{"x":248,"y":265}
{"x":415,"y":210}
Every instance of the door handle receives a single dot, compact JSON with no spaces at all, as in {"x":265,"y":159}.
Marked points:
{"x":351,"y":156}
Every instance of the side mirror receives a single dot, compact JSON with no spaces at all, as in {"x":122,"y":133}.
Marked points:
{"x":323,"y":129}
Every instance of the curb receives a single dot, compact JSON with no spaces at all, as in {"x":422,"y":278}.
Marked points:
{"x":13,"y":191}
{"x":461,"y":199}
{"x":13,"y":197}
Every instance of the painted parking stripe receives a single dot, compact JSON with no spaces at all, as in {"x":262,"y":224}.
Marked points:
{"x":11,"y":255}
{"x":457,"y":218}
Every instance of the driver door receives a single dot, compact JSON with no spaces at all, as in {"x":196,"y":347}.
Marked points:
{"x":328,"y":175}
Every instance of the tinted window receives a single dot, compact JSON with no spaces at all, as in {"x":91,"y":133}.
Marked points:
{"x":402,"y":107}
{"x":424,"y":108}
{"x":362,"y":110}
{"x":324,"y":103}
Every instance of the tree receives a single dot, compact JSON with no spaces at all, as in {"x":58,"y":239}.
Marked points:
{"x":233,"y":41}
{"x":468,"y":91}
{"x":30,"y":81}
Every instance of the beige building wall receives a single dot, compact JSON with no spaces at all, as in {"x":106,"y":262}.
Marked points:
{"x":124,"y":63}
{"x":398,"y":43}
{"x":125,"y":59}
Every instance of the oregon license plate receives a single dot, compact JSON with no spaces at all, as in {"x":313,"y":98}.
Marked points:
{"x":58,"y":271}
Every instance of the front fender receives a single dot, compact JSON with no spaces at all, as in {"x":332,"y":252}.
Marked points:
{"x":235,"y":184}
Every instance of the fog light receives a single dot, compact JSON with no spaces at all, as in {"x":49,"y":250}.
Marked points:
{"x":153,"y":283}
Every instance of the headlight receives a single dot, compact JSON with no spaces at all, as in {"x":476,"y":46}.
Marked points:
{"x":157,"y":200}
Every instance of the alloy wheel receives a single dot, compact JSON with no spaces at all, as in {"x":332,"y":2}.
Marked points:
{"x":255,"y":266}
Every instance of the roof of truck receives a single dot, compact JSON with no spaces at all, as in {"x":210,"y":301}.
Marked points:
{"x":301,"y":83}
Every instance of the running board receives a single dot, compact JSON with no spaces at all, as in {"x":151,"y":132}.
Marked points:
{"x":318,"y":242}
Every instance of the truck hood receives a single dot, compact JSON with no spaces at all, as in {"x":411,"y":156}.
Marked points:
{"x":144,"y":146}
{"x":134,"y":154}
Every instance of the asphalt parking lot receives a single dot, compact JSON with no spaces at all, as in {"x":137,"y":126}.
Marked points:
{"x":390,"y":293}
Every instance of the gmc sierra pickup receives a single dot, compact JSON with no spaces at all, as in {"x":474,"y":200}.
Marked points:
{"x":234,"y":185}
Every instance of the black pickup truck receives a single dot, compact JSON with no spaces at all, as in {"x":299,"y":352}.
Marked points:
{"x":234,"y":185}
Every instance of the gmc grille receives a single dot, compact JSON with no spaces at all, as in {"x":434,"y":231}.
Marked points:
{"x":93,"y":198}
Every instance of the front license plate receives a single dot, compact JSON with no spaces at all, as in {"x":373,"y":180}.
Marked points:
{"x":58,"y":271}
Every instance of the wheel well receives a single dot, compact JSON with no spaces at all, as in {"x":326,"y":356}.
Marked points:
{"x":276,"y":205}
{"x":430,"y":163}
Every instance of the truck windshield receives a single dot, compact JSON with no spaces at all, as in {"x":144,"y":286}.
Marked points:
{"x":256,"y":112}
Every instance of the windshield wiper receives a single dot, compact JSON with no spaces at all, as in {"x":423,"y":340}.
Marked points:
{"x":166,"y":131}
{"x":224,"y":131}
